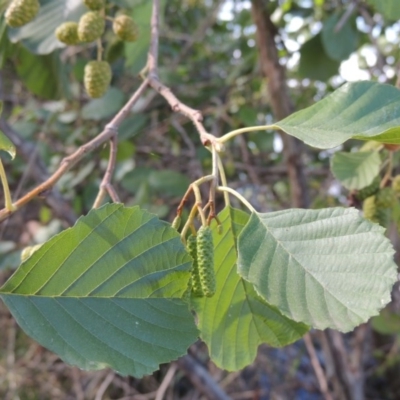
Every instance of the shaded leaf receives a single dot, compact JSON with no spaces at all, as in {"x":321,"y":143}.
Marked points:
{"x":236,"y":320}
{"x":5,"y":143}
{"x":105,"y":293}
{"x":358,"y":110}
{"x":327,"y":268}
{"x":355,"y":170}
{"x":388,"y":8}
{"x":340,"y":44}
{"x":44,"y":76}
{"x":136,"y":52}
{"x":106,"y":106}
{"x":314,"y":63}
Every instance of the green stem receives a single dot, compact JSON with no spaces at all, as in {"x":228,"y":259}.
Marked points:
{"x":224,"y":181}
{"x":232,"y":134}
{"x":238,"y":195}
{"x":7,"y":196}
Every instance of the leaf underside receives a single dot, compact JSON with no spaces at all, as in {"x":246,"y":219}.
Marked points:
{"x":355,"y":170}
{"x":328,"y":268}
{"x":236,"y":320}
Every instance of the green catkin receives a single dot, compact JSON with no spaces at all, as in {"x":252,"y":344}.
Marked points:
{"x":369,"y":190}
{"x":194,"y":283}
{"x":97,"y":78}
{"x":91,"y":26}
{"x":375,"y":212}
{"x":369,"y":208}
{"x":125,"y":28}
{"x":396,"y":184}
{"x":94,"y":5}
{"x":385,"y":198}
{"x":205,"y":257}
{"x":20,"y":12}
{"x":68,"y":33}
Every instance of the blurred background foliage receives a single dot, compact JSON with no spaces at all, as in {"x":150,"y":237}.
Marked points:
{"x":210,"y":60}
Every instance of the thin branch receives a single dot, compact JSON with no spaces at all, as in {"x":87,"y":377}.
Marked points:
{"x":68,"y":162}
{"x":319,"y":372}
{"x":200,"y":378}
{"x":177,"y":106}
{"x":166,"y":382}
{"x":103,"y":387}
{"x":39,"y":173}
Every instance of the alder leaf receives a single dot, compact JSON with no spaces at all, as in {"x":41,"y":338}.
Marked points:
{"x":355,"y":170}
{"x":328,"y":268}
{"x":236,"y":320}
{"x":105,"y":293}
{"x":357,"y":110}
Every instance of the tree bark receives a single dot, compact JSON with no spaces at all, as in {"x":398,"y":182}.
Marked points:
{"x":281,"y":103}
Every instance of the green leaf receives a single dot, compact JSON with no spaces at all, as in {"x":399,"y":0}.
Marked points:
{"x":390,"y":9}
{"x":136,"y":52}
{"x":328,"y":268}
{"x":5,"y":143}
{"x":339,"y":45}
{"x":166,"y":182}
{"x":106,"y":106}
{"x":105,"y":293}
{"x":38,"y":35}
{"x":355,"y":170}
{"x":314,"y":63}
{"x":236,"y":320}
{"x":358,"y":110}
{"x":44,"y":76}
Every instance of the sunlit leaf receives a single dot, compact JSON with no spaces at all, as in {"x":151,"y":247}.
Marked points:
{"x":236,"y":320}
{"x":326,"y":268}
{"x":355,"y":170}
{"x":361,"y":110}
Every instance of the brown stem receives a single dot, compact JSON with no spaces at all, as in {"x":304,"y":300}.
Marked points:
{"x":200,"y":378}
{"x":68,"y":162}
{"x":319,"y":372}
{"x":177,"y":106}
{"x":281,"y":103}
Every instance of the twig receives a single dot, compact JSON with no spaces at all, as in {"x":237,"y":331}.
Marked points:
{"x":106,"y":186}
{"x":39,"y":173}
{"x":103,"y":387}
{"x":68,"y":162}
{"x":201,"y":379}
{"x":177,"y":106}
{"x":319,"y":373}
{"x":238,"y":195}
{"x":166,"y":382}
{"x":345,"y":17}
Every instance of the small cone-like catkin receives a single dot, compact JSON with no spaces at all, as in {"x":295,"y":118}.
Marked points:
{"x":97,"y":78}
{"x":20,"y":12}
{"x":91,"y":26}
{"x":68,"y":33}
{"x":125,"y":28}
{"x":94,"y":5}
